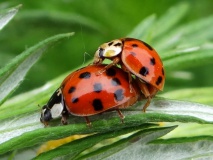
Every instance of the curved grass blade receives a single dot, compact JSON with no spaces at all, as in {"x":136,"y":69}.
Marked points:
{"x":74,"y":148}
{"x":169,"y":19}
{"x":182,"y":148}
{"x":150,"y":28}
{"x":7,"y":15}
{"x":190,"y":130}
{"x":13,"y":73}
{"x":189,"y":57}
{"x":125,"y":148}
{"x":144,"y":29}
{"x":63,"y":17}
{"x":21,"y":133}
{"x":192,"y":34}
{"x":199,"y":95}
{"x":199,"y":147}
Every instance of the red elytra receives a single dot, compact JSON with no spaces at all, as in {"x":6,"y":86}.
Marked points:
{"x":85,"y":93}
{"x":138,"y":58}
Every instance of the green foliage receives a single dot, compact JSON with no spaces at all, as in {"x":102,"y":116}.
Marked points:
{"x":13,"y":73}
{"x":182,"y":45}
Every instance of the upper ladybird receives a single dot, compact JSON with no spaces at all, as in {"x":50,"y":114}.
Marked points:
{"x":138,"y":58}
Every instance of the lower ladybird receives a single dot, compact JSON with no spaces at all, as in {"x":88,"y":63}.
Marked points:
{"x":84,"y":93}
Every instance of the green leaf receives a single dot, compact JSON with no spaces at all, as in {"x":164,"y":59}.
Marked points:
{"x":199,"y":147}
{"x":13,"y":73}
{"x":62,"y":17}
{"x":190,"y":130}
{"x":181,"y":45}
{"x":7,"y":15}
{"x":131,"y":144}
{"x":200,"y":95}
{"x":24,"y":128}
{"x":82,"y":144}
{"x":182,"y":148}
{"x":192,"y":34}
{"x":184,"y":108}
{"x":167,"y":21}
{"x":183,"y":58}
{"x":143,"y":29}
{"x":28,"y":102}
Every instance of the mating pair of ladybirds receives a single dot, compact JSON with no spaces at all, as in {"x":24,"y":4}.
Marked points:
{"x":98,"y":88}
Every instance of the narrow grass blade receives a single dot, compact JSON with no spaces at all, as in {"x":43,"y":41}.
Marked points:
{"x":7,"y":15}
{"x":13,"y":73}
{"x":130,"y":147}
{"x":74,"y":148}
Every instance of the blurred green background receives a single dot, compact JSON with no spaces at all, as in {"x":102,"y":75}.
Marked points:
{"x":94,"y":22}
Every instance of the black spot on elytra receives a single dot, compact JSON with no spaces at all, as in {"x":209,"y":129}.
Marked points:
{"x":101,"y":52}
{"x":144,"y":71}
{"x":71,"y":90}
{"x":97,"y":104}
{"x":115,"y":82}
{"x":119,"y":96}
{"x":134,"y":45}
{"x":110,"y":72}
{"x":152,"y":61}
{"x":147,"y":45}
{"x":75,"y":100}
{"x":162,"y":71}
{"x":110,"y":43}
{"x":133,"y":53}
{"x":159,"y":80}
{"x":85,"y":75}
{"x":97,"y":87}
{"x":117,"y":44}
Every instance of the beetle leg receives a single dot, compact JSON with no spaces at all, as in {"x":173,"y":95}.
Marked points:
{"x":114,"y":62}
{"x":148,"y":91}
{"x":89,"y":124}
{"x":64,"y":118}
{"x":129,"y":77}
{"x":120,"y":115}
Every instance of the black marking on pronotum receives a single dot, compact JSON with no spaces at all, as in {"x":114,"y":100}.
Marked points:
{"x":116,"y":82}
{"x":97,"y":87}
{"x":47,"y":116}
{"x":71,"y":90}
{"x":54,"y":99}
{"x":128,"y":39}
{"x":159,"y":80}
{"x":110,"y":43}
{"x":97,"y":104}
{"x":134,"y":45}
{"x":111,"y":72}
{"x":152,"y":61}
{"x":101,"y":52}
{"x":117,"y":44}
{"x":85,"y":75}
{"x":144,"y":71}
{"x":148,"y":46}
{"x":75,"y":100}
{"x":119,"y":95}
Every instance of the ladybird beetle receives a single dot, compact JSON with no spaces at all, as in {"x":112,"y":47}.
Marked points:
{"x":135,"y":57}
{"x":84,"y":93}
